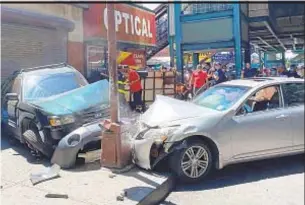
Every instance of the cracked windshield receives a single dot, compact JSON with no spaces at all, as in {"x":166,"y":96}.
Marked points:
{"x":152,"y":103}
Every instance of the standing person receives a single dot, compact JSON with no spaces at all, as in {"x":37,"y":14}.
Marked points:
{"x":300,"y":71}
{"x":219,"y":74}
{"x":199,"y":78}
{"x":249,"y":72}
{"x":135,"y":87}
{"x":282,"y":72}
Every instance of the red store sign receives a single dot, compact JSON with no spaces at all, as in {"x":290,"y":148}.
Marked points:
{"x":133,"y":24}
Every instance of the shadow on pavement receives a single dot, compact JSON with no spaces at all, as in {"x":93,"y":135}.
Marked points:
{"x":21,"y":150}
{"x":249,"y":172}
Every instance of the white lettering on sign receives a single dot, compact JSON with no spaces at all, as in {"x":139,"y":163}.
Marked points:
{"x":118,"y":20}
{"x":126,"y":18}
{"x":136,"y":25}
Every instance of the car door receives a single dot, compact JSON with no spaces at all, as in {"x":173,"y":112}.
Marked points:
{"x":261,"y":132}
{"x":293,"y":94}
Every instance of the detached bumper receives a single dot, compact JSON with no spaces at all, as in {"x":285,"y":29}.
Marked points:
{"x":141,"y":152}
{"x":68,"y":147}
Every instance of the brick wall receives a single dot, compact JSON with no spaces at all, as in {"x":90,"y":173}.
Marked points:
{"x":76,"y":55}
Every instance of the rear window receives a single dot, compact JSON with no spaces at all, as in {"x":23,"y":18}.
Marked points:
{"x":293,"y":94}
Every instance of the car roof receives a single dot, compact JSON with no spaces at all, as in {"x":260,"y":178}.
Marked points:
{"x":49,"y":71}
{"x":260,"y":81}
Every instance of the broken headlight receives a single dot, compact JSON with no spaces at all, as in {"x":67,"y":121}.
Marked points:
{"x":158,"y":134}
{"x":63,"y":120}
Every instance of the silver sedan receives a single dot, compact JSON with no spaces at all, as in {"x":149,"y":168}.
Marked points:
{"x":233,"y":122}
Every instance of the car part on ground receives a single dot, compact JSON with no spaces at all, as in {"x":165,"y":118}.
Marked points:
{"x":68,"y":147}
{"x":45,"y":175}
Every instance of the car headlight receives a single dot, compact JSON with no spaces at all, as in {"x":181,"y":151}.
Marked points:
{"x":57,"y":121}
{"x":73,"y":140}
{"x":160,"y":134}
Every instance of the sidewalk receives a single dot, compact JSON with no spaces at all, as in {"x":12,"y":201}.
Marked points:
{"x":88,"y":184}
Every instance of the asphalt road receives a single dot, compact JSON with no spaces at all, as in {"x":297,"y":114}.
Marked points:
{"x":276,"y":181}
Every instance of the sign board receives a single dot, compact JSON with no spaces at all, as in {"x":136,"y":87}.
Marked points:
{"x":133,"y":24}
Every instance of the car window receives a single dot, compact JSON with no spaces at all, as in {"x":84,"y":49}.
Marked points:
{"x":293,"y":94}
{"x":267,"y":98}
{"x":220,"y":97}
{"x":37,"y":86}
{"x":16,"y":86}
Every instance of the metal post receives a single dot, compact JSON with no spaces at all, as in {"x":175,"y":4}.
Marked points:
{"x":195,"y":59}
{"x":112,"y":54}
{"x":178,"y":37}
{"x":237,"y":39}
{"x":114,"y":154}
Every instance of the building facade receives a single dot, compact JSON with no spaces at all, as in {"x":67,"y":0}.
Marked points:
{"x":41,"y":34}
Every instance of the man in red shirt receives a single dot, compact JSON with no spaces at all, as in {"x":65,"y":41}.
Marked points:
{"x":199,"y":78}
{"x":135,"y":86}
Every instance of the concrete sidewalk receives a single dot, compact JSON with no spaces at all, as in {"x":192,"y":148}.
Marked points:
{"x":87,"y":184}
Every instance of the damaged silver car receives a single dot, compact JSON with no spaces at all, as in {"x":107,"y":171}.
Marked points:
{"x":235,"y":121}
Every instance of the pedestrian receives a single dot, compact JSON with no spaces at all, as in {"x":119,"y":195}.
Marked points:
{"x":135,"y":86}
{"x":199,"y":78}
{"x":293,"y":72}
{"x":282,"y":72}
{"x":219,"y":74}
{"x":249,"y":72}
{"x":300,"y":71}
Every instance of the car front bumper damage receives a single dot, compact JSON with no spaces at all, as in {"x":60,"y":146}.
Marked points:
{"x":69,"y":146}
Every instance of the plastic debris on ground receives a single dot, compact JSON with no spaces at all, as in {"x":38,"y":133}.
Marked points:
{"x":45,"y":175}
{"x":58,"y":196}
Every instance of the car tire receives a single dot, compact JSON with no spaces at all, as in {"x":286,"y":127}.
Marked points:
{"x":33,"y":138}
{"x":182,"y":158}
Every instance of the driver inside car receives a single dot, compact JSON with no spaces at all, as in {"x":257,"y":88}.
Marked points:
{"x":264,"y":99}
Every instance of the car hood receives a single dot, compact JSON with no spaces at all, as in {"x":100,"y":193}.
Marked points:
{"x":89,"y":96}
{"x":166,"y":110}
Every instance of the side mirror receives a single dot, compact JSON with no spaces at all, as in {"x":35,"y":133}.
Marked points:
{"x":12,"y":96}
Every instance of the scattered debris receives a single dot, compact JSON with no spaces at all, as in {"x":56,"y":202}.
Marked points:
{"x":120,"y":198}
{"x":112,"y":175}
{"x":47,"y":174}
{"x":125,"y":169}
{"x":124,"y":193}
{"x":57,"y":196}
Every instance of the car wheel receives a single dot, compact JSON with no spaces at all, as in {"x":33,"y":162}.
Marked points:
{"x":32,"y":137}
{"x":192,"y":163}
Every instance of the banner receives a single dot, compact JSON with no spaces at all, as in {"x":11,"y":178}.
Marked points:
{"x":132,"y":24}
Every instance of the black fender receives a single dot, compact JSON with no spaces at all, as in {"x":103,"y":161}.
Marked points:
{"x":65,"y":153}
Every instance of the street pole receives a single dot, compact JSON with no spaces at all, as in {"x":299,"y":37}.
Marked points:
{"x":112,"y":55}
{"x":114,"y":154}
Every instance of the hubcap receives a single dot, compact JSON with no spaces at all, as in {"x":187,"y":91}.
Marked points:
{"x":194,"y":161}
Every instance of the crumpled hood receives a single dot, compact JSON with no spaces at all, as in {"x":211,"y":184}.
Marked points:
{"x":76,"y":100}
{"x":166,"y":110}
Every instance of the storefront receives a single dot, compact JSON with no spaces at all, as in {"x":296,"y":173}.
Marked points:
{"x":31,"y":39}
{"x":135,"y":32}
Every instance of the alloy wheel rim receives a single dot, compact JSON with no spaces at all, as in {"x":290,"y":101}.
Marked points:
{"x":194,"y":161}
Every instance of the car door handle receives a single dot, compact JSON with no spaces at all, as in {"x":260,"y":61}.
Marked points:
{"x":282,"y":116}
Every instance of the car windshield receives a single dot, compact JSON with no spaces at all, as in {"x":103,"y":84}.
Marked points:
{"x":220,"y":97}
{"x":42,"y":86}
